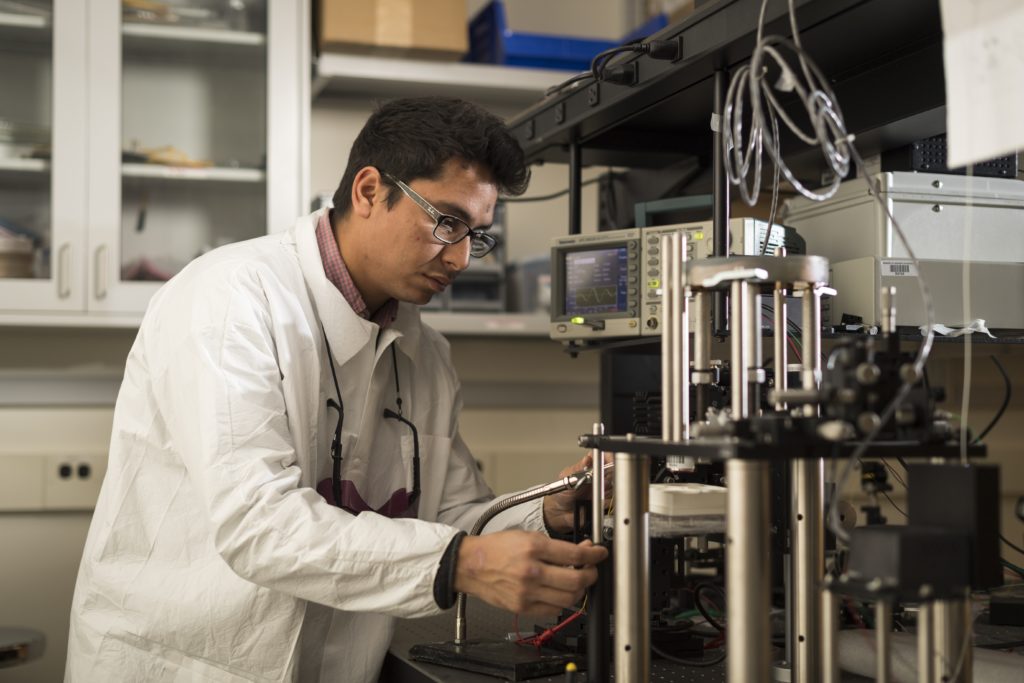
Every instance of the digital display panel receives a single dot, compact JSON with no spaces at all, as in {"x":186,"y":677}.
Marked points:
{"x":595,"y":281}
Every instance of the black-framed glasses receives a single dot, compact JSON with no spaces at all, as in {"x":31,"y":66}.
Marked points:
{"x":449,"y":229}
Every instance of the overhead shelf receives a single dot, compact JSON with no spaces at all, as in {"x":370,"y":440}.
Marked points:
{"x":488,"y":324}
{"x":357,"y":75}
{"x":232,"y":175}
{"x":189,"y":43}
{"x":27,"y":29}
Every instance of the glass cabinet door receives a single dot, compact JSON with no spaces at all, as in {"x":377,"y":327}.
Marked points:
{"x":42,"y":155}
{"x":184,"y":140}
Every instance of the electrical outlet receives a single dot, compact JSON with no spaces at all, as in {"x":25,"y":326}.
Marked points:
{"x":72,"y":482}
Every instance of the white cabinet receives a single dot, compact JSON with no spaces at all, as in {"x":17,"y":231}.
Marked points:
{"x":176,"y":129}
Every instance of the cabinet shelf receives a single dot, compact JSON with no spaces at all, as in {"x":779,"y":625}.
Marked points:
{"x":24,"y":28}
{"x":215,"y":174}
{"x":347,"y":75}
{"x":191,"y":43}
{"x":27,"y":172}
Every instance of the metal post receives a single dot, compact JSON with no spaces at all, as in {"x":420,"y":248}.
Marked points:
{"x":682,"y":307}
{"x":598,"y":612}
{"x":883,"y":641}
{"x":780,"y":335}
{"x":702,"y":352}
{"x":752,"y":343}
{"x":830,"y":634}
{"x":746,"y":580}
{"x":739,"y":362}
{"x":925,"y":642}
{"x":575,"y":188}
{"x":888,"y":307}
{"x":632,"y":563}
{"x":668,"y":332}
{"x":954,"y":661}
{"x":676,"y":323}
{"x":720,"y":193}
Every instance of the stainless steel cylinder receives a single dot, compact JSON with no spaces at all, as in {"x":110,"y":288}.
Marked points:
{"x":953,"y":657}
{"x":668,"y":331}
{"x":738,"y":357}
{"x":830,"y":635}
{"x":925,"y":642}
{"x":702,"y":339}
{"x":632,"y":567}
{"x":808,"y":519}
{"x":883,"y":641}
{"x":597,"y":490}
{"x":887,"y":302}
{"x":747,"y":580}
{"x":779,"y":338}
{"x":683,"y":378}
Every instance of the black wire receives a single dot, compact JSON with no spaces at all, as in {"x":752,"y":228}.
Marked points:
{"x":898,"y":508}
{"x":1007,"y":542}
{"x":545,"y":197}
{"x":599,"y":60}
{"x":1006,"y":401}
{"x":685,"y":662}
{"x":569,"y":81}
{"x":700,"y":607}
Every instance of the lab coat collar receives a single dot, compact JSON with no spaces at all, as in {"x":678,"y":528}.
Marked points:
{"x":347,"y":331}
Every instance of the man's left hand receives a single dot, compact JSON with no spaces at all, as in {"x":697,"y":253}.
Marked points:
{"x":559,"y":507}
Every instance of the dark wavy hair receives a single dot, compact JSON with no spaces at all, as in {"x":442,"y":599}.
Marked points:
{"x":415,"y":137}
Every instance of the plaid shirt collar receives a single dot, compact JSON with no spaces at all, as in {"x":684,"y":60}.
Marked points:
{"x":337,"y":273}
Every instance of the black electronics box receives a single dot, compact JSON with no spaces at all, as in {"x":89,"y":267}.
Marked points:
{"x":962,"y":499}
{"x":929,"y":156}
{"x":901,"y":560}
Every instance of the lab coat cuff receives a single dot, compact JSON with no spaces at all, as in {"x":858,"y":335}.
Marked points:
{"x":444,"y":580}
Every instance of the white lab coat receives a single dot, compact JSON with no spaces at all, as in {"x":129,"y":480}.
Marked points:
{"x":210,"y":556}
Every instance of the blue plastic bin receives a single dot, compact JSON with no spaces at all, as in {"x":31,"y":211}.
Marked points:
{"x":492,"y":42}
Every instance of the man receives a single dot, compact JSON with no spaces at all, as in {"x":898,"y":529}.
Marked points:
{"x":286,"y":474}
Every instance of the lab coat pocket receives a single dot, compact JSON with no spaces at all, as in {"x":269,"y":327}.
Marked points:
{"x":128,"y":657}
{"x":435,"y":451}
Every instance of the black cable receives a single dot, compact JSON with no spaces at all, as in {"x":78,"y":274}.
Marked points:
{"x":1007,"y":542}
{"x":898,"y":508}
{"x":1006,"y":401}
{"x":685,"y":662}
{"x":700,"y":607}
{"x":599,"y":60}
{"x":583,"y":75}
{"x":545,"y":197}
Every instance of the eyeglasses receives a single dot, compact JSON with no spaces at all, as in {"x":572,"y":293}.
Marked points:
{"x":449,"y":229}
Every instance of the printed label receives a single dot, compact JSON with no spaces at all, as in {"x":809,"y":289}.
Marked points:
{"x":898,"y":269}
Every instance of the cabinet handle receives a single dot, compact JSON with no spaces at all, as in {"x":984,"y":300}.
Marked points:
{"x":101,"y":271}
{"x":63,"y":266}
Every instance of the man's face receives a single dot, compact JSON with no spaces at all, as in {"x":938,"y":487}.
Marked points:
{"x":406,"y":261}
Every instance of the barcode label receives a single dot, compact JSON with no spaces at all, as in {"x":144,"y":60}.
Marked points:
{"x":898,"y":269}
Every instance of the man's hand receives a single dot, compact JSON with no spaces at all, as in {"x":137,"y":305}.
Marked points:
{"x":559,"y":507}
{"x":526,"y":572}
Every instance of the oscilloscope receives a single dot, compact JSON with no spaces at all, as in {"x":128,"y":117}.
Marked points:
{"x":608,"y":284}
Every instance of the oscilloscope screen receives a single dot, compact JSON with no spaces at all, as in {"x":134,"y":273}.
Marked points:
{"x":595,"y":281}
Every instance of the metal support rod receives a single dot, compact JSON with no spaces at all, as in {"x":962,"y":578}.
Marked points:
{"x":681,"y":309}
{"x":954,"y":661}
{"x":830,"y":634}
{"x":780,"y":335}
{"x":808,"y":519}
{"x":738,"y":360}
{"x":702,"y":352}
{"x":575,"y":188}
{"x":888,"y":308}
{"x":720,"y":194}
{"x":632,"y":570}
{"x":883,"y":641}
{"x":746,"y":580}
{"x":752,"y":345}
{"x":598,"y":612}
{"x":668,"y":342}
{"x":925,"y":642}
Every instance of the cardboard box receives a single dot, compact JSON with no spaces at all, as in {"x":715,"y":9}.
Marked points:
{"x":408,"y":28}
